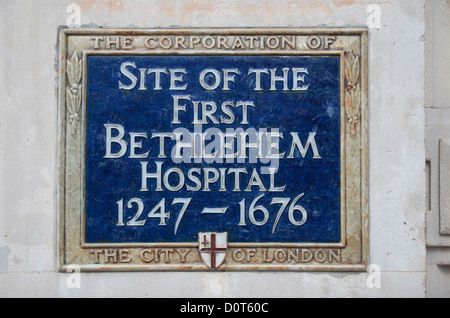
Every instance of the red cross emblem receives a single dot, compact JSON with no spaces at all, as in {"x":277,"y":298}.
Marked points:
{"x":213,"y":248}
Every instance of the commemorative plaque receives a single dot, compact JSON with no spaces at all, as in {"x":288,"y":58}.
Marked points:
{"x":218,"y":149}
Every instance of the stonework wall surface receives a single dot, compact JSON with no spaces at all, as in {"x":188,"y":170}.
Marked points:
{"x":29,"y":151}
{"x":437,"y":81}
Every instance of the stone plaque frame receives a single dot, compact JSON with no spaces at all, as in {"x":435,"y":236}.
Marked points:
{"x":350,"y":44}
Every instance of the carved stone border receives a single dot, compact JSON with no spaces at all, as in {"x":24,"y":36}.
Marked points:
{"x":352,"y":255}
{"x":73,"y":90}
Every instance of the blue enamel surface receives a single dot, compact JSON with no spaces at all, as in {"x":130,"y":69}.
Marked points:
{"x":148,"y":111}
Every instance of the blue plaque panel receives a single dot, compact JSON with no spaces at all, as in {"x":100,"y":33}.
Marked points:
{"x":139,"y":191}
{"x":205,"y":149}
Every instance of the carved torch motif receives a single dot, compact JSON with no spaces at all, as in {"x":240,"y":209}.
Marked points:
{"x":73,"y":90}
{"x":353,"y":90}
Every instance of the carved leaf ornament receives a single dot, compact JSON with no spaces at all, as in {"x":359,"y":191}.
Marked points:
{"x":353,"y":90}
{"x":73,"y":90}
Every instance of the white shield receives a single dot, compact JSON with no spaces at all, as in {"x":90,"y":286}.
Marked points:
{"x":213,"y":248}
